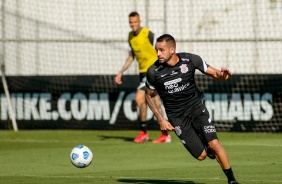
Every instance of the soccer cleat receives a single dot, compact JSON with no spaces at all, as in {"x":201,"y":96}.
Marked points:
{"x":210,"y":153}
{"x":233,"y":182}
{"x":141,"y":137}
{"x":162,"y":139}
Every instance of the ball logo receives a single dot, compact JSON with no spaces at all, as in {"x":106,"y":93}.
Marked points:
{"x":74,"y":156}
{"x":81,"y":165}
{"x":85,"y":155}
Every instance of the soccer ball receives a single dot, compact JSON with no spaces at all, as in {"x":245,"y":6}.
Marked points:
{"x":81,"y":156}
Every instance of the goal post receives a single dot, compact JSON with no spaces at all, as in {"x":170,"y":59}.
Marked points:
{"x":8,"y":97}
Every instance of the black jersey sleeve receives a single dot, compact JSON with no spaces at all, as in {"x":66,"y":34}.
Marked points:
{"x":150,"y":79}
{"x":130,"y":35}
{"x":199,"y":63}
{"x":151,"y":37}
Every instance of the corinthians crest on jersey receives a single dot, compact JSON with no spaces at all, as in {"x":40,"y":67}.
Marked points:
{"x":183,"y":68}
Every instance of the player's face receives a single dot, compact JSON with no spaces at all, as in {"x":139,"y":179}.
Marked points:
{"x":134,"y":23}
{"x":164,"y":51}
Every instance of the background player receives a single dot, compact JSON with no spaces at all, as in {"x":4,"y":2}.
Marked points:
{"x":173,"y":78}
{"x":141,"y":46}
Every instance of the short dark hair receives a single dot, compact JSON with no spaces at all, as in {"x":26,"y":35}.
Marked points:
{"x":133,"y":14}
{"x":166,"y":38}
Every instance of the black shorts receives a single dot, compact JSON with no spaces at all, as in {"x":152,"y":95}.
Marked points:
{"x":195,"y":130}
{"x":142,"y":85}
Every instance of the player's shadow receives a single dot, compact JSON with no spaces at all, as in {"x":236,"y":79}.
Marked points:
{"x":106,"y":137}
{"x":151,"y":181}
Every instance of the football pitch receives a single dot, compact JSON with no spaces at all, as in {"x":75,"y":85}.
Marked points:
{"x":33,"y":157}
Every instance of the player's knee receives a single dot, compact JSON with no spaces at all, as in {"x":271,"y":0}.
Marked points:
{"x":202,"y":156}
{"x":214,"y":145}
{"x":140,"y":101}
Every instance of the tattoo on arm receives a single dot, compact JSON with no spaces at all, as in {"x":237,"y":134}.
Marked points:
{"x":150,"y":93}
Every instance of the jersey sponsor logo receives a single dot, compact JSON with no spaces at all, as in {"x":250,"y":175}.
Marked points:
{"x":180,"y":88}
{"x":183,"y":68}
{"x":185,"y":59}
{"x":173,"y":86}
{"x":209,"y":129}
{"x":174,"y":81}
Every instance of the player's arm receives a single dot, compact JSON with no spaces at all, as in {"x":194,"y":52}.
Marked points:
{"x":150,"y":97}
{"x":223,"y":74}
{"x":128,"y":62}
{"x":201,"y":65}
{"x":164,"y":124}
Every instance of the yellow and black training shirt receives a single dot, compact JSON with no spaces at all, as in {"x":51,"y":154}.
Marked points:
{"x":142,"y":47}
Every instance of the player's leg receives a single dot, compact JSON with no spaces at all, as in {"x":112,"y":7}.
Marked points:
{"x":203,"y":124}
{"x":164,"y":137}
{"x":209,"y":152}
{"x":142,"y":106}
{"x":222,"y":158}
{"x":189,"y":138}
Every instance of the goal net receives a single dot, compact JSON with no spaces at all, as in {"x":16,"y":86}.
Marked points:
{"x":55,"y":50}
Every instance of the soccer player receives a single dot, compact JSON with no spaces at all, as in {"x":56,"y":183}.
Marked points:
{"x":172,"y":76}
{"x":141,"y":47}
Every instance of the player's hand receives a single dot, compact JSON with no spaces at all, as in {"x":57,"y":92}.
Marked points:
{"x":226,"y":74}
{"x":118,"y":78}
{"x":165,"y":125}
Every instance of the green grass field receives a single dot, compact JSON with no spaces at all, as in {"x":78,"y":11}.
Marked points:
{"x":43,"y":157}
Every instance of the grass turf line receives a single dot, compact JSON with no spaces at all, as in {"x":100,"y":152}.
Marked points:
{"x":43,"y":157}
